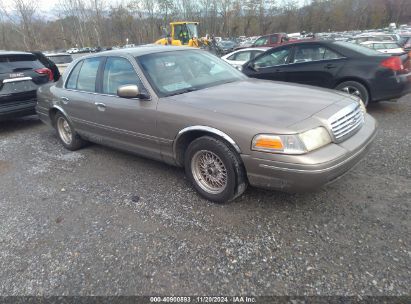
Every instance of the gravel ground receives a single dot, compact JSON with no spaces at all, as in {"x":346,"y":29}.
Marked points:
{"x":102,"y":222}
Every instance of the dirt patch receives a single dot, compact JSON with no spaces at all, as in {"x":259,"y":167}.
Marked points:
{"x":4,"y":166}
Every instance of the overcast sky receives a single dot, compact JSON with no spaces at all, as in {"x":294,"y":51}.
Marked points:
{"x":48,"y":5}
{"x":43,"y":4}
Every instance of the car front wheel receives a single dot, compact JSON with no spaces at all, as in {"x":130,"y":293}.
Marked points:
{"x":215,"y":170}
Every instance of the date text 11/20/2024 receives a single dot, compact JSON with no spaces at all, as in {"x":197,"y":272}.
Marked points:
{"x":203,"y":299}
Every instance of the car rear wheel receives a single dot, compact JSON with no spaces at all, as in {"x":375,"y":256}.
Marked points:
{"x":355,"y":88}
{"x":66,"y":133}
{"x":215,"y":170}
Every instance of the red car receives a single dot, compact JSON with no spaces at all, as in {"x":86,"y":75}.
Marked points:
{"x":273,"y":40}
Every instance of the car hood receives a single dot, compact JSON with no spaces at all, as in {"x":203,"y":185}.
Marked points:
{"x":268,"y":102}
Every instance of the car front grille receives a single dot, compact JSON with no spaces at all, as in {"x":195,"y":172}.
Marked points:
{"x":346,"y":122}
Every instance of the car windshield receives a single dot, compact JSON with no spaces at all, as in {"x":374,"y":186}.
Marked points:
{"x":192,"y":28}
{"x":59,"y":59}
{"x":358,"y":48}
{"x":176,"y":72}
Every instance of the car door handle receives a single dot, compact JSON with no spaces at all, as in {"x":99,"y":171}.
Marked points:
{"x":65,"y":100}
{"x":100,"y":106}
{"x":330,"y":66}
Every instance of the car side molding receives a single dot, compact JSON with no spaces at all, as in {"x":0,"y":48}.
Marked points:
{"x":209,"y":130}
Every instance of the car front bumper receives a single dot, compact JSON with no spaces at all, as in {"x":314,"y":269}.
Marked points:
{"x":309,"y":171}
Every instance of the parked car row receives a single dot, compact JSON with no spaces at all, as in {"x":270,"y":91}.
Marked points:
{"x":83,"y":50}
{"x":344,"y":66}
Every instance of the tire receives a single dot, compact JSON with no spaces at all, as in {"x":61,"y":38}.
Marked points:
{"x":215,"y":171}
{"x":66,"y":133}
{"x":355,"y":88}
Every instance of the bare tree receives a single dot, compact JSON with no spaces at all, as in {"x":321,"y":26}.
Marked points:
{"x":23,"y":20}
{"x":92,"y":22}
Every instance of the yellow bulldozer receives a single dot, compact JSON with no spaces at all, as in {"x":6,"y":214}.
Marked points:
{"x":182,"y":33}
{"x":185,"y":33}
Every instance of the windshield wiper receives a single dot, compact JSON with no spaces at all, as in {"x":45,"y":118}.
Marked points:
{"x":188,"y":90}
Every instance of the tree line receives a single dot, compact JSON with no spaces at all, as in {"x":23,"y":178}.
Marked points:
{"x":83,"y":23}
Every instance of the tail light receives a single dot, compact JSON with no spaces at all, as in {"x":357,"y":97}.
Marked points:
{"x":45,"y":71}
{"x":393,"y":63}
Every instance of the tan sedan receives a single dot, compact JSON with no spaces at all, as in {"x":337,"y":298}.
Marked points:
{"x":189,"y":108}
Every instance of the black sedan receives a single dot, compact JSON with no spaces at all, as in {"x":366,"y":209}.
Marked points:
{"x":344,"y":66}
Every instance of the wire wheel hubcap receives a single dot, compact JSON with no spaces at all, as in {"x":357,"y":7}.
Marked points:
{"x":64,"y":130}
{"x":209,"y":171}
{"x":352,"y":91}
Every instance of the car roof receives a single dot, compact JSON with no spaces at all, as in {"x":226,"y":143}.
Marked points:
{"x":57,"y":54}
{"x":142,"y":50}
{"x":279,"y":33}
{"x":259,"y":48}
{"x":371,"y":41}
{"x":14,"y":53}
{"x":373,"y":35}
{"x":307,"y":41}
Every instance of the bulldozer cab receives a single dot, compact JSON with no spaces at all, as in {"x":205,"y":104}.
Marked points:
{"x":184,"y":31}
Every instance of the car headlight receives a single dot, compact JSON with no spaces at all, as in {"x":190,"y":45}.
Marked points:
{"x":292,"y":144}
{"x":315,"y":138}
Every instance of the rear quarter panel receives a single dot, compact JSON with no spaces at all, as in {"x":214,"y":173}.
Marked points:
{"x":45,"y":101}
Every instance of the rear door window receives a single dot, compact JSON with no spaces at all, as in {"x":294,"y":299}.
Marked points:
{"x":18,"y":63}
{"x":314,"y":53}
{"x":72,"y":80}
{"x":83,"y":77}
{"x":329,"y":54}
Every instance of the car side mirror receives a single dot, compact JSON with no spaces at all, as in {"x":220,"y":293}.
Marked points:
{"x":130,"y":91}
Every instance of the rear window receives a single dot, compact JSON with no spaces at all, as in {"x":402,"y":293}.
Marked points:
{"x":381,"y":46}
{"x":16,"y":63}
{"x":61,"y":59}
